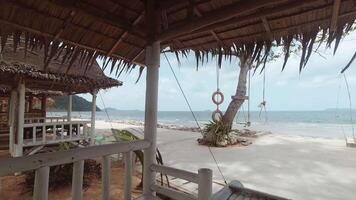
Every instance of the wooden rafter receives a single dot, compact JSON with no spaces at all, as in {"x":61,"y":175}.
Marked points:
{"x":267,"y":26}
{"x":138,"y":55}
{"x":335,"y":15}
{"x":216,"y":16}
{"x":260,"y":34}
{"x":99,"y":15}
{"x":124,"y":35}
{"x":198,"y":13}
{"x":65,"y":24}
{"x":256,"y":16}
{"x":43,"y":15}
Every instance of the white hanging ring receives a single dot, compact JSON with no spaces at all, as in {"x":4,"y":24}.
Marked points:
{"x":217,"y":97}
{"x":217,"y":115}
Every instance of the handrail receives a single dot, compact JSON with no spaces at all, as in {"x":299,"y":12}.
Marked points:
{"x":203,"y":178}
{"x":178,"y":173}
{"x":56,"y":123}
{"x":18,"y":164}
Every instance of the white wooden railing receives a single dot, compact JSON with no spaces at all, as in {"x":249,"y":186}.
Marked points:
{"x":31,"y":120}
{"x":203,"y":178}
{"x":41,"y":163}
{"x":55,"y":132}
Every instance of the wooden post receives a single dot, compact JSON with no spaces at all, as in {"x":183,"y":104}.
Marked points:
{"x":150,"y":129}
{"x":77,"y":180}
{"x":44,"y":106}
{"x":93,"y":111}
{"x":205,"y":183}
{"x":106,"y":177}
{"x":20,"y":118}
{"x":12,"y":121}
{"x":128,"y":175}
{"x":70,"y":107}
{"x":41,"y":184}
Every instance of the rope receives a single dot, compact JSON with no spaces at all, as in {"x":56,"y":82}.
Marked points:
{"x":192,"y":112}
{"x":217,"y":76}
{"x":337,"y":111}
{"x":263,"y":103}
{"x":350,"y":107}
{"x":248,"y":123}
{"x":107,"y":114}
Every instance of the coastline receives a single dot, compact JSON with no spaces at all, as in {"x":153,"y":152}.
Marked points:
{"x":297,"y":163}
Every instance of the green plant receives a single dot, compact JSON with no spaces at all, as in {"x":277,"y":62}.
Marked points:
{"x":125,"y":135}
{"x":215,"y":132}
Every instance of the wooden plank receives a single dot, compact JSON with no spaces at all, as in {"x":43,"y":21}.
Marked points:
{"x":174,"y":194}
{"x":260,"y":34}
{"x":223,"y":194}
{"x":12,"y":165}
{"x":217,"y":15}
{"x":125,"y":34}
{"x":256,"y":16}
{"x":57,"y":123}
{"x":178,"y":173}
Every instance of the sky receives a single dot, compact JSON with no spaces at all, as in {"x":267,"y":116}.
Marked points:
{"x":315,"y":88}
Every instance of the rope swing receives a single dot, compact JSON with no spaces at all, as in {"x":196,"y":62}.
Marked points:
{"x":262,"y":105}
{"x":217,"y":98}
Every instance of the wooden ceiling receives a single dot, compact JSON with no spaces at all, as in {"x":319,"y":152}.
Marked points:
{"x":121,"y":29}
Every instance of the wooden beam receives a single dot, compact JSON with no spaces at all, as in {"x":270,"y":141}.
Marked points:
{"x":94,"y":12}
{"x":138,"y":55}
{"x":217,"y":15}
{"x":65,"y":24}
{"x":267,"y":26}
{"x":263,"y":13}
{"x":125,"y":34}
{"x":198,"y":13}
{"x":335,"y":15}
{"x":261,"y":34}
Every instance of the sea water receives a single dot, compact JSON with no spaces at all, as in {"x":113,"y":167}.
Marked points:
{"x":326,"y":124}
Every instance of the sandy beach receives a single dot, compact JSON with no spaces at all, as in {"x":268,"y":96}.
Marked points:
{"x":294,"y":167}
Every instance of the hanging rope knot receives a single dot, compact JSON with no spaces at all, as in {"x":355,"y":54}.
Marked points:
{"x":262,"y":104}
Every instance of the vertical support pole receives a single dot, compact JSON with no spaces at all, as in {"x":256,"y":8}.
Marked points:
{"x":106,"y":178}
{"x":20,"y":118}
{"x":150,"y":129}
{"x":128,"y":175}
{"x":205,"y":183}
{"x":93,"y":111}
{"x":77,"y":180}
{"x":70,"y":107}
{"x":41,"y":184}
{"x":12,"y":121}
{"x":44,"y":106}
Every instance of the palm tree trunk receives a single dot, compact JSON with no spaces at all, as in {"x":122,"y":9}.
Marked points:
{"x":236,"y":103}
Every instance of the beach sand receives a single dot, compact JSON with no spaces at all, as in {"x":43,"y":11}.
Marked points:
{"x":294,"y":167}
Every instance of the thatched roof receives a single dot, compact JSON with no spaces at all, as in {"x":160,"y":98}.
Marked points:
{"x":5,"y":90}
{"x":119,"y":30}
{"x":57,"y":76}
